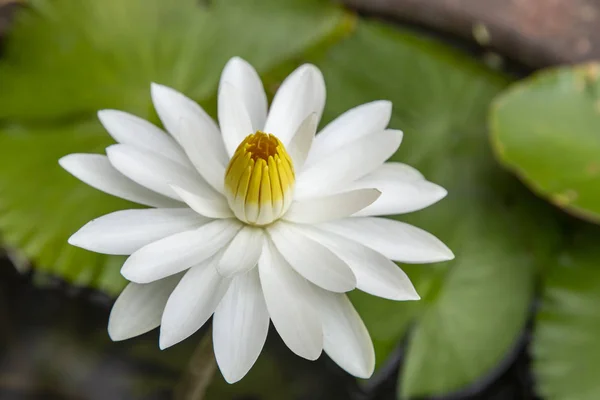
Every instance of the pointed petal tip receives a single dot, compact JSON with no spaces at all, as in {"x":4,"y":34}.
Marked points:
{"x":115,"y":335}
{"x":313,"y":355}
{"x":434,"y":191}
{"x":445,"y":254}
{"x":413,"y":297}
{"x":232,"y":376}
{"x":64,"y":161}
{"x":441,"y":192}
{"x":108,"y":113}
{"x":75,"y":240}
{"x":236,"y":60}
{"x":157,"y":90}
{"x":385,"y":105}
{"x":133,"y":275}
{"x":165,"y":341}
{"x":399,"y":133}
{"x":364,"y":371}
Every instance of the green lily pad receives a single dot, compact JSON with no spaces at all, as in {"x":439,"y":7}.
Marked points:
{"x":566,"y":349}
{"x":473,"y":308}
{"x":69,"y":59}
{"x":41,"y":205}
{"x":547,"y":130}
{"x":66,"y":59}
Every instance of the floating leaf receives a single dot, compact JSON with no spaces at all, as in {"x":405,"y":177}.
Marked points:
{"x":473,"y":308}
{"x":566,"y":349}
{"x":66,"y":59}
{"x":547,"y":130}
{"x":69,"y":59}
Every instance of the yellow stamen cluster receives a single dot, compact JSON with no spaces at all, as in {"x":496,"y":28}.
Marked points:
{"x":259,"y":180}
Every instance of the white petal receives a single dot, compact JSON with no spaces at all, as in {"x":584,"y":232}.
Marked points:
{"x":139,"y":308}
{"x":212,"y":207}
{"x":178,"y":252}
{"x":234,"y":120}
{"x":124,"y":232}
{"x":353,"y":124}
{"x":155,"y":172}
{"x":312,"y":260}
{"x":197,"y":148}
{"x":347,"y":164}
{"x":240,"y":326}
{"x":96,"y":171}
{"x":399,"y":171}
{"x":289,"y":299}
{"x":328,"y":208}
{"x":192,"y":303}
{"x":394,"y":239}
{"x":172,"y":107}
{"x":246,"y":81}
{"x":243,"y":252}
{"x":402,"y":192}
{"x":302,"y":141}
{"x":345,"y":336}
{"x":375,"y":273}
{"x":129,"y":129}
{"x":301,"y":94}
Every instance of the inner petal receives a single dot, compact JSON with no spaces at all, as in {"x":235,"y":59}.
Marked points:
{"x":259,"y":180}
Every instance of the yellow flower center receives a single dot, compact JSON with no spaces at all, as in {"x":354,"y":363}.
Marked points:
{"x":259,"y":180}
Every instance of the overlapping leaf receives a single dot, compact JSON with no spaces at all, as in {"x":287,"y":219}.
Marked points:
{"x":547,"y":130}
{"x":65,"y":60}
{"x":473,"y":308}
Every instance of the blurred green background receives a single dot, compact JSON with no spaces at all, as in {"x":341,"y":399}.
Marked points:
{"x":514,"y":316}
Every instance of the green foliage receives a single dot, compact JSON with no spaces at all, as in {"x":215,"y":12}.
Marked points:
{"x":473,"y":308}
{"x":66,"y":59}
{"x":547,"y":130}
{"x":41,"y":205}
{"x":566,"y":349}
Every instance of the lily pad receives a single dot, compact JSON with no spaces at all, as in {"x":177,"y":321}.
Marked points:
{"x":69,"y":59}
{"x":66,"y":59}
{"x":473,"y":308}
{"x":547,"y":130}
{"x":566,"y":349}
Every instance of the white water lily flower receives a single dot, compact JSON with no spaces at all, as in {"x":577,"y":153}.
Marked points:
{"x":257,"y":220}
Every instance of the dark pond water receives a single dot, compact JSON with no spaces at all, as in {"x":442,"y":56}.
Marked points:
{"x":54,"y":345}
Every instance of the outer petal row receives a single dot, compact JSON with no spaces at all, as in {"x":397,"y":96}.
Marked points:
{"x":240,"y":326}
{"x":307,"y":318}
{"x":192,"y":303}
{"x":403,"y":190}
{"x":96,"y":171}
{"x":288,"y":297}
{"x":179,"y":252}
{"x":139,"y":308}
{"x":124,"y":232}
{"x":394,"y":239}
{"x":345,"y":165}
{"x":129,"y":129}
{"x":352,"y":125}
{"x":311,"y":259}
{"x":173,"y":107}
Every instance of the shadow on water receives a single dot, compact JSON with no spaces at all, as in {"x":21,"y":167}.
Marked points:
{"x":54,"y":345}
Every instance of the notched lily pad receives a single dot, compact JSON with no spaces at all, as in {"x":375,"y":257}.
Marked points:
{"x":547,"y":130}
